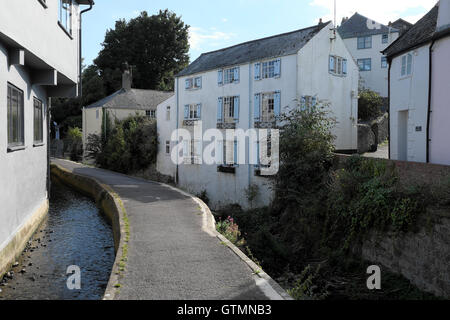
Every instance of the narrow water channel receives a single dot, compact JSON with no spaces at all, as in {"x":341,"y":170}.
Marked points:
{"x":73,"y":234}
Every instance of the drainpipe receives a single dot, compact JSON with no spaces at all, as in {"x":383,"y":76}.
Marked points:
{"x":49,"y":103}
{"x":80,"y":79}
{"x":250,"y":82}
{"x":430,"y":80}
{"x":178,"y":138}
{"x":389,"y":106}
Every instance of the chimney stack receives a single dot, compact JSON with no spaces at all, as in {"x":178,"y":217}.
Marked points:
{"x":127,"y":77}
{"x":320,"y":21}
{"x":444,"y":16}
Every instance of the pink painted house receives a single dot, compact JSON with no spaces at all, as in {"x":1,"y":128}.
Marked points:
{"x":419,"y":86}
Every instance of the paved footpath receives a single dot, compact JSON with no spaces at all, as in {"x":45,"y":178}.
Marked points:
{"x":170,"y":257}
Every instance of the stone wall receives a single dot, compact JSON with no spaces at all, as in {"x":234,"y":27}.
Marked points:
{"x":372,"y":133}
{"x":422,"y":256}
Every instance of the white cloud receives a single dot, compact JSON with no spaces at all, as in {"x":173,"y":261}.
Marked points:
{"x":224,"y":20}
{"x":381,"y":11}
{"x":198,"y":36}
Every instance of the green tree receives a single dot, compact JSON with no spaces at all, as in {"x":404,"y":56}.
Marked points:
{"x":156,"y":46}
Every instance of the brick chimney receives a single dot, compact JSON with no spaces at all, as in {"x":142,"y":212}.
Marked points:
{"x":443,"y":22}
{"x":127,"y":77}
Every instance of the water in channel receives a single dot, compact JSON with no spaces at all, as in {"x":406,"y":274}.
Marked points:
{"x":73,"y":234}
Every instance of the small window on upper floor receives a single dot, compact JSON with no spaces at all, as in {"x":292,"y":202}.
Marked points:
{"x":15,"y":117}
{"x":268,"y":69}
{"x":338,"y":66}
{"x":227,"y":76}
{"x":406,"y":65}
{"x":365,"y":42}
{"x":384,"y":62}
{"x":65,"y":15}
{"x":193,"y":83}
{"x":151,"y":114}
{"x":385,"y":38}
{"x":365,"y":64}
{"x":168,"y":114}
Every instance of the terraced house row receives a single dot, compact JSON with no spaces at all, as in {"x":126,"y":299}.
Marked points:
{"x":246,"y":87}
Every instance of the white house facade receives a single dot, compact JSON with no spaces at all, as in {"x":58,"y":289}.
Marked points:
{"x":166,"y":125}
{"x":366,"y":39}
{"x":419,"y":90}
{"x":39,"y":59}
{"x":246,"y":87}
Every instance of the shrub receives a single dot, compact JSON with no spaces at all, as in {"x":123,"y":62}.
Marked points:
{"x":369,"y":105}
{"x":75,"y":143}
{"x":231,"y":231}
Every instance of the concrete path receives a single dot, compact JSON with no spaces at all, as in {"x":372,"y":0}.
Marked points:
{"x":169,"y":256}
{"x":381,"y":153}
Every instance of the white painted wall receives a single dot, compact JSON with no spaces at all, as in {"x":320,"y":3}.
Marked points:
{"x":36,"y":29}
{"x":440,"y":103}
{"x":410,"y":94}
{"x":305,"y":73}
{"x":22,"y":173}
{"x":377,"y":79}
{"x":165,"y":127}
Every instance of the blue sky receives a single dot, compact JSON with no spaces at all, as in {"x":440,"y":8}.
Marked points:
{"x":218,"y":24}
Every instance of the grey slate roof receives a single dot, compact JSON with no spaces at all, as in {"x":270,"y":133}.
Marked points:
{"x":136,"y":99}
{"x":421,"y":33}
{"x":271,"y":47}
{"x":357,"y":26}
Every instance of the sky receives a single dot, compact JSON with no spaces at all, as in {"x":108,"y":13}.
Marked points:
{"x":218,"y":24}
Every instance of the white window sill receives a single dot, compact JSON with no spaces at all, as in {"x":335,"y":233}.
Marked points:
{"x":38,"y":144}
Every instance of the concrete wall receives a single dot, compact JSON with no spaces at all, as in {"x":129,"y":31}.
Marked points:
{"x":36,"y":29}
{"x":165,"y":127}
{"x":23,"y":173}
{"x":440,"y":103}
{"x":305,"y":73}
{"x":377,"y":79}
{"x":409,"y":99}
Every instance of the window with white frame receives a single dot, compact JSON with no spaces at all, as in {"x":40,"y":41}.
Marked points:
{"x":151,"y":114}
{"x":15,"y":114}
{"x":227,"y":153}
{"x":227,"y":76}
{"x":38,"y":121}
{"x":385,"y":38}
{"x":365,"y":64}
{"x":337,"y":65}
{"x":65,"y":15}
{"x":384,"y":62}
{"x":193,"y":83}
{"x":168,"y":113}
{"x":365,"y":42}
{"x":268,"y":151}
{"x":192,"y":111}
{"x":268,"y":69}
{"x":407,"y":60}
{"x":308,"y":102}
{"x":267,"y":106}
{"x":228,"y":109}
{"x":192,"y":151}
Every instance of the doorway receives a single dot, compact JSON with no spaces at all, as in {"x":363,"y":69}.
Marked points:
{"x":403,"y":135}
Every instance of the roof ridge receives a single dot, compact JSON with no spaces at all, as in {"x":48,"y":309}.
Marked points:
{"x":269,"y":37}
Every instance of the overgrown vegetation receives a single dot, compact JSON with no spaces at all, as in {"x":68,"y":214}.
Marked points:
{"x":128,"y":146}
{"x":74,"y":143}
{"x":308,"y":237}
{"x":369,"y":105}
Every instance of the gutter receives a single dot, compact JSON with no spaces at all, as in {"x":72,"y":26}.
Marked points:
{"x":80,"y":80}
{"x":430,"y":80}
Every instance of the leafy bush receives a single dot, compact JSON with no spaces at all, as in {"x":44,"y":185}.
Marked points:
{"x":231,"y":231}
{"x":369,"y":105}
{"x":75,"y":143}
{"x":128,"y":146}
